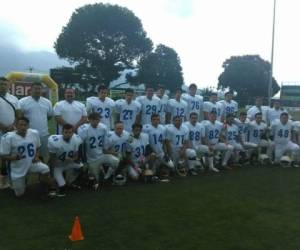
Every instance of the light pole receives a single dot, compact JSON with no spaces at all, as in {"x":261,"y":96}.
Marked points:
{"x":270,"y":90}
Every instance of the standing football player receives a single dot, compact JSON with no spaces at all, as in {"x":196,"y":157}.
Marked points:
{"x":230,"y":106}
{"x":63,"y":150}
{"x":195,"y":102}
{"x":215,"y":106}
{"x":93,"y":136}
{"x":128,"y":109}
{"x":275,"y":112}
{"x":21,"y":148}
{"x":102,"y":105}
{"x":176,"y":107}
{"x":160,"y":93}
{"x":258,"y":108}
{"x":150,"y":105}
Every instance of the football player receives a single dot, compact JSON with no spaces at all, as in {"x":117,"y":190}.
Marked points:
{"x":176,"y":107}
{"x":216,"y":141}
{"x":275,"y":112}
{"x":258,"y":134}
{"x":196,"y":141}
{"x":141,"y":153}
{"x":116,"y":144}
{"x":149,"y":105}
{"x":21,"y":148}
{"x":127,"y":109}
{"x":93,"y":136}
{"x":103,"y":105}
{"x":177,"y":143}
{"x":194,"y":102}
{"x":282,"y":129}
{"x":160,"y":93}
{"x":258,"y":108}
{"x":213,"y":105}
{"x":230,"y":106}
{"x":63,"y":151}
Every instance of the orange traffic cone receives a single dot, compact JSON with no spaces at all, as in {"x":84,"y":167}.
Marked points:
{"x":76,"y":231}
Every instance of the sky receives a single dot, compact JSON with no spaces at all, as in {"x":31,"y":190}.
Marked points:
{"x":203,"y":32}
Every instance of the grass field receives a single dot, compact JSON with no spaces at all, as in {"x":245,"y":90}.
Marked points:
{"x":249,"y":208}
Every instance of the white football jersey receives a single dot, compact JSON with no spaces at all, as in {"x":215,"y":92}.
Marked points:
{"x":229,"y":107}
{"x":70,"y":112}
{"x":162,"y":112}
{"x":157,"y":136}
{"x":62,"y":149}
{"x":195,"y":103}
{"x":128,"y":112}
{"x":243,"y":129}
{"x":104,"y":108}
{"x":37,"y":112}
{"x":256,"y":131}
{"x":14,"y":144}
{"x":7,"y":114}
{"x":137,"y":147}
{"x":196,"y":133}
{"x":214,"y":107}
{"x":232,"y":132}
{"x":213,"y":131}
{"x":149,"y":107}
{"x":177,"y":108}
{"x":177,"y":137}
{"x":118,"y":143}
{"x":254,"y":110}
{"x":281,"y":132}
{"x":274,"y":114}
{"x":93,"y":138}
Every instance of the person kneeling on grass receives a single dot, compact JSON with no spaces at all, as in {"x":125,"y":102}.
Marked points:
{"x":21,"y":148}
{"x":93,"y":136}
{"x":63,"y":151}
{"x":141,"y":154}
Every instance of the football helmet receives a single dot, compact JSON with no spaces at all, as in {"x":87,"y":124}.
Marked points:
{"x":285,"y":161}
{"x":120,"y":180}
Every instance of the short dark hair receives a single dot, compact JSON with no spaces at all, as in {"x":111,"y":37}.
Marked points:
{"x":193,"y":113}
{"x":258,"y":113}
{"x":284,"y":113}
{"x":154,"y":115}
{"x":23,"y":118}
{"x":67,"y":126}
{"x":101,"y":87}
{"x":243,"y":113}
{"x":177,"y":116}
{"x":159,"y":86}
{"x":94,"y":116}
{"x":129,"y":90}
{"x":193,"y":85}
{"x":178,"y":89}
{"x":228,"y":92}
{"x":137,"y":125}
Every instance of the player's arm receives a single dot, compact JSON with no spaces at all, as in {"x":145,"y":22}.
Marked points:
{"x":82,"y":120}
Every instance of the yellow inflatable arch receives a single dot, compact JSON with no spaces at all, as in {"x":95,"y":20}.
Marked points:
{"x":21,"y":82}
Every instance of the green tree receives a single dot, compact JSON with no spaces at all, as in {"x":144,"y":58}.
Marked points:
{"x":161,"y":67}
{"x":247,"y":75}
{"x":101,"y":40}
